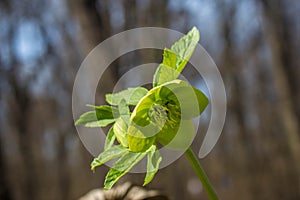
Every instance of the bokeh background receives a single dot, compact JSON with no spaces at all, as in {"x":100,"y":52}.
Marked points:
{"x":255,"y":44}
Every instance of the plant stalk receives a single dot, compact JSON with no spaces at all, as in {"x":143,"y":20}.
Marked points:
{"x":201,"y":174}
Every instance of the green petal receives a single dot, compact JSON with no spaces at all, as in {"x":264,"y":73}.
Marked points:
{"x":201,"y":99}
{"x":178,"y":138}
{"x":140,"y":113}
{"x":191,"y":101}
{"x":138,"y":141}
{"x":181,"y":101}
{"x":120,"y":130}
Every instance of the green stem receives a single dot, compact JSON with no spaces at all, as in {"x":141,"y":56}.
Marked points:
{"x":201,"y":174}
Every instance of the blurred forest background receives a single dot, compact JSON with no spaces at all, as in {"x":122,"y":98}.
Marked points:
{"x":255,"y":44}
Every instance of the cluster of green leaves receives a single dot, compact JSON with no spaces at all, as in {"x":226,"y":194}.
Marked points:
{"x":161,"y":115}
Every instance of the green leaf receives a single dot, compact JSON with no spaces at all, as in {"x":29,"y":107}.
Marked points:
{"x":101,"y":117}
{"x":131,"y":96}
{"x":123,"y":108}
{"x":170,"y":58}
{"x":184,"y":48}
{"x":108,"y":154}
{"x":124,"y":111}
{"x":163,"y":74}
{"x":89,"y":119}
{"x":121,"y":167}
{"x":105,"y":112}
{"x":154,"y":158}
{"x":120,"y":130}
{"x":110,"y":139}
{"x":176,"y":58}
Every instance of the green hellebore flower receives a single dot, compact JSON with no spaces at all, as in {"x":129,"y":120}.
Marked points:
{"x":165,"y":115}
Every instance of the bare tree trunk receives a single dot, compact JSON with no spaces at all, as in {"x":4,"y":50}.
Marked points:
{"x":93,"y":18}
{"x":5,"y":192}
{"x":230,"y":62}
{"x":20,"y":116}
{"x":275,"y":33}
